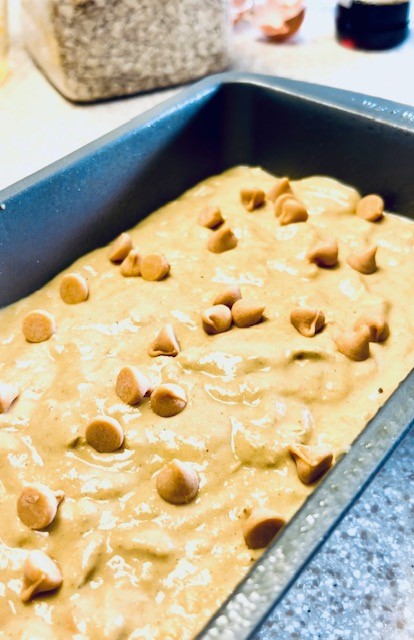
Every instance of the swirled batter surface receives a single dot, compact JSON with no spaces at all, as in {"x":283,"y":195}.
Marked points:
{"x":133,"y":565}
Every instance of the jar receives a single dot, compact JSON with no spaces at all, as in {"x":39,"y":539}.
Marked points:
{"x":372,"y":24}
{"x":95,"y":49}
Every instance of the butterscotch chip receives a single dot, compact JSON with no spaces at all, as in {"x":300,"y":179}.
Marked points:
{"x":280,"y":187}
{"x":228,"y":296}
{"x":324,"y":253}
{"x":222,"y":240}
{"x":354,"y":344}
{"x":246,"y":313}
{"x":216,"y":319}
{"x":154,"y":267}
{"x":280,"y":201}
{"x":165,"y":344}
{"x":104,"y":434}
{"x":370,"y":208}
{"x":291,"y":211}
{"x":168,"y":400}
{"x":120,"y":248}
{"x":307,"y":321}
{"x":8,"y":394}
{"x":178,"y":482}
{"x":376,"y":323}
{"x":40,"y":574}
{"x":132,"y":385}
{"x":73,"y":288}
{"x":38,"y":326}
{"x":363,"y":261}
{"x":312,"y":461}
{"x":210,"y":217}
{"x":37,"y":505}
{"x":131,"y":266}
{"x":252,"y":199}
{"x":261,"y":527}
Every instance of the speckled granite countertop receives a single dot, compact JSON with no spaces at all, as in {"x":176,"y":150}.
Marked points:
{"x":361,"y":585}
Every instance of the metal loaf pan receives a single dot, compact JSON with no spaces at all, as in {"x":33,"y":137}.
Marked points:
{"x":287,"y":127}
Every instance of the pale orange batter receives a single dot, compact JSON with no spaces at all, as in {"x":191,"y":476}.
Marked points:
{"x":133,"y":565}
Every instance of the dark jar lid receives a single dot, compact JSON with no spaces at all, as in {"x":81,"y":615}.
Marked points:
{"x":372,"y":26}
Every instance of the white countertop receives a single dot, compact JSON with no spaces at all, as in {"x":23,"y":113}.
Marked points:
{"x":38,"y":126}
{"x":371,"y":553}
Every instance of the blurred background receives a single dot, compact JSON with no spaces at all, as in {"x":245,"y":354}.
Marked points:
{"x":35,"y":118}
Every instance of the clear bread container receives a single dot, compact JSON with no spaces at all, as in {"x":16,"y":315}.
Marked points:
{"x":95,"y":49}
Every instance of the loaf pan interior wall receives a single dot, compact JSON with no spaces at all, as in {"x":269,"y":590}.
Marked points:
{"x":86,"y":199}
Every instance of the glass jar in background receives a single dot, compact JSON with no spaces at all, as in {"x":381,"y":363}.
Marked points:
{"x":372,"y":24}
{"x":94,"y":50}
{"x":4,"y":40}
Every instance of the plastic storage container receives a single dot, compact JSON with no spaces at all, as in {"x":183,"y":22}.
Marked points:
{"x":94,"y":49}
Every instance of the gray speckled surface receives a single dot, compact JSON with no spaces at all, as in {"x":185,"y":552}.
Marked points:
{"x":360,"y":586}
